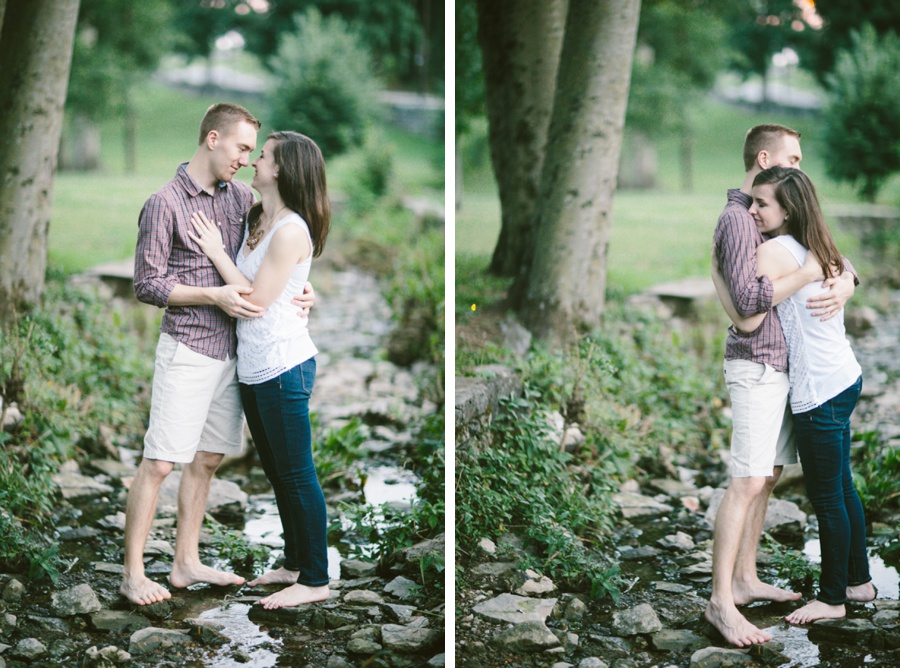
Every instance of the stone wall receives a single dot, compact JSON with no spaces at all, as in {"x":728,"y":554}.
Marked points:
{"x":478,"y":401}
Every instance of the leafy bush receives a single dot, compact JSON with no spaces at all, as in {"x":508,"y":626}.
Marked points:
{"x":324,"y":86}
{"x":862,"y":127}
{"x":876,"y":475}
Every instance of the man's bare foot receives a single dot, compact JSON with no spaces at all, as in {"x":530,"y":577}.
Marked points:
{"x":279,"y":576}
{"x":862,"y":593}
{"x":746,"y":593}
{"x":296,"y":594}
{"x":143,"y":591}
{"x":185,"y":576}
{"x":734,"y":627}
{"x":816,"y":610}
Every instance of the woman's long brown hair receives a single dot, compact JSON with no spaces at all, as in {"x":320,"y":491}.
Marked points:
{"x":797,"y":196}
{"x":301,"y":184}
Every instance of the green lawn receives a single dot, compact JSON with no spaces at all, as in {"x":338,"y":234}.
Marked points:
{"x":665,"y":234}
{"x":95,"y":214}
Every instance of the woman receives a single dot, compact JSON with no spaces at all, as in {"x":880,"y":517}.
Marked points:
{"x":826,"y":380}
{"x":276,"y":357}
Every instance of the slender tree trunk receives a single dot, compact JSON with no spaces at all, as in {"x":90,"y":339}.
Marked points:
{"x":36,"y":41}
{"x":566,"y":285}
{"x":520,"y":43}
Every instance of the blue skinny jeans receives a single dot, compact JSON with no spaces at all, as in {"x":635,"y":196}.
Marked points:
{"x":278,"y":416}
{"x":823,"y":442}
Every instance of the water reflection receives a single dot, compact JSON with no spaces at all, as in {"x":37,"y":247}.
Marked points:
{"x":885,"y":578}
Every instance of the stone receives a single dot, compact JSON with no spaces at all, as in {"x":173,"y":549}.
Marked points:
{"x":495,"y":569}
{"x":106,"y":567}
{"x":301,"y":615}
{"x":114,"y":522}
{"x":886,"y":617}
{"x":516,"y":609}
{"x":516,"y":337}
{"x":112,"y":468}
{"x":717,"y":657}
{"x":13,"y":591}
{"x":477,"y":401}
{"x":637,"y":505}
{"x":207,"y":632}
{"x":677,"y":640}
{"x":784,"y":519}
{"x":432,"y":548}
{"x":335,"y":661}
{"x":487,"y":546}
{"x":672,"y":587}
{"x":591,"y":662}
{"x":859,"y":632}
{"x":575,"y":610}
{"x":402,"y":588}
{"x":674,"y":488}
{"x":156,"y":548}
{"x":118,"y":620}
{"x":399,"y":613}
{"x":77,"y":533}
{"x":152,"y":638}
{"x":639,"y":553}
{"x":679,"y":542}
{"x":74,"y":485}
{"x":365,"y":641}
{"x":226,"y":499}
{"x":526,"y":637}
{"x":635,"y":621}
{"x":362,"y":597}
{"x":534,"y":584}
{"x":103,"y":658}
{"x":437,"y":661}
{"x":355,"y":568}
{"x":409,"y":638}
{"x":28,"y":649}
{"x":78,"y":600}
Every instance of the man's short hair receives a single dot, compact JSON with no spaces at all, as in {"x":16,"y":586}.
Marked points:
{"x":766,"y":137}
{"x":223,"y":117}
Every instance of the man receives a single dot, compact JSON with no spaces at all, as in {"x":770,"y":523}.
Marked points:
{"x":757,"y":380}
{"x":195,"y":416}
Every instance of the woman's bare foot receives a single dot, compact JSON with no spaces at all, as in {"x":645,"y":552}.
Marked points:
{"x":143,"y":591}
{"x":185,"y":576}
{"x":746,"y":593}
{"x":279,"y":576}
{"x":734,"y":627}
{"x":814,"y":610}
{"x":862,"y":593}
{"x":296,"y":594}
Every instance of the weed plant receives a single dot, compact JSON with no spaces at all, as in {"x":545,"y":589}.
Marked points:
{"x":72,"y":366}
{"x":876,"y":475}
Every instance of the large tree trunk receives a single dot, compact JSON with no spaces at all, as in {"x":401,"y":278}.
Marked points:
{"x":520,"y":43}
{"x":36,"y":41}
{"x":565,"y":287}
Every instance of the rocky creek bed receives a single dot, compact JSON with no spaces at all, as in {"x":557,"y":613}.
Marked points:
{"x":515,"y":617}
{"x":376,"y":616}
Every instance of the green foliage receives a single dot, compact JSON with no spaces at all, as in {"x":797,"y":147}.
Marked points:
{"x":328,"y":98}
{"x":72,"y":367}
{"x":876,"y":475}
{"x":792,"y":565}
{"x":338,"y":449}
{"x":862,"y":126}
{"x":234,"y":548}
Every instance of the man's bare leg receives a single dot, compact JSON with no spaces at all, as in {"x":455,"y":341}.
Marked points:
{"x":139,"y":512}
{"x":192,"y":496}
{"x":731,"y":522}
{"x":746,"y":585}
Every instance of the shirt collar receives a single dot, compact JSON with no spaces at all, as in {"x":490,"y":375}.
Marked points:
{"x":739,"y":197}
{"x":192,"y":187}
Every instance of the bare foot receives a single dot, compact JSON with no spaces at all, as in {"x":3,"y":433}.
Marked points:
{"x":746,"y":593}
{"x":280,"y":576}
{"x":143,"y":591}
{"x":861,"y":593}
{"x":185,"y":576}
{"x":296,"y":594}
{"x":734,"y":627}
{"x":816,"y":610}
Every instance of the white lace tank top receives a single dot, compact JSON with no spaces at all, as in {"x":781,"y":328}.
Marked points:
{"x":821,"y":361}
{"x":279,"y":340}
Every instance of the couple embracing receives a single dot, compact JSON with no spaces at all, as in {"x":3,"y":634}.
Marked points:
{"x":232,"y":275}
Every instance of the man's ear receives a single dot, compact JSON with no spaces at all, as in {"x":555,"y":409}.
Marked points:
{"x":762,"y":158}
{"x":212,"y":138}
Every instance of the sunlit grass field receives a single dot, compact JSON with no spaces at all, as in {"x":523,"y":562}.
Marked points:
{"x":95,"y":214}
{"x":665,"y":234}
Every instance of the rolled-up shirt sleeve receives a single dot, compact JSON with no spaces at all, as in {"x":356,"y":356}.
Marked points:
{"x":153,"y":282}
{"x":736,"y":252}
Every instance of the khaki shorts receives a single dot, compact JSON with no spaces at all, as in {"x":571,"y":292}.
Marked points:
{"x":195,"y":405}
{"x":763,"y":431}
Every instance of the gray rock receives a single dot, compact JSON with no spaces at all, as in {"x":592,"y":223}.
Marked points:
{"x":672,"y":587}
{"x":437,"y":661}
{"x":534,"y":584}
{"x":152,"y":638}
{"x":355,"y":568}
{"x":114,"y":522}
{"x":399,"y":613}
{"x":886,"y":617}
{"x":639,"y":553}
{"x":858,"y":632}
{"x":362,"y":597}
{"x":516,"y":609}
{"x":13,"y":591}
{"x":496,"y":569}
{"x":335,"y":661}
{"x":207,"y":632}
{"x":365,"y":641}
{"x":106,"y":657}
{"x":784,"y":519}
{"x":301,"y":615}
{"x":487,"y":546}
{"x":106,"y":567}
{"x":526,"y":637}
{"x":591,"y":662}
{"x":78,"y":600}
{"x":679,"y":542}
{"x":635,"y":621}
{"x":410,"y":638}
{"x":67,"y":534}
{"x":157,"y":548}
{"x":575,"y":610}
{"x":74,"y":485}
{"x":674,"y":488}
{"x":562,"y":664}
{"x":28,"y":649}
{"x":226,"y":498}
{"x":402,"y":588}
{"x":677,"y":640}
{"x":118,"y":620}
{"x":637,"y":505}
{"x":515,"y":336}
{"x":112,"y":468}
{"x":717,"y":657}
{"x":433,"y":548}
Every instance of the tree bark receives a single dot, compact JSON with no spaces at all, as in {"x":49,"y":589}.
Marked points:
{"x":520,"y":43}
{"x":565,"y":288}
{"x":36,"y":40}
